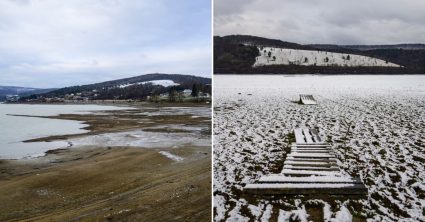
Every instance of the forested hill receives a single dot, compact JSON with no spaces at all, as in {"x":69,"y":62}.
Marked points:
{"x":20,"y":91}
{"x":246,"y":54}
{"x":138,"y":87}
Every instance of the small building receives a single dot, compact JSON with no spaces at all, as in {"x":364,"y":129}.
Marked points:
{"x":187,"y":92}
{"x":204,"y":95}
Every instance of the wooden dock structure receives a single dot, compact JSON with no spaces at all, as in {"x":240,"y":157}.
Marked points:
{"x":307,"y":100}
{"x":310,"y":168}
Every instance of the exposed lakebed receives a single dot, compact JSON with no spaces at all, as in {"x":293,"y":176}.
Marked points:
{"x":129,"y":164}
{"x":17,"y":125}
{"x":47,"y":127}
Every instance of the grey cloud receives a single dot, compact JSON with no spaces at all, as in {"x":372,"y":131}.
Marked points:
{"x":324,"y":21}
{"x":50,"y":43}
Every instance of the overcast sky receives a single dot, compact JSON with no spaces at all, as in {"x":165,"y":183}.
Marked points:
{"x":324,"y":21}
{"x":51,"y":43}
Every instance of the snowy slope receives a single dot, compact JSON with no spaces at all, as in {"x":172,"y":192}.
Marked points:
{"x":282,"y":56}
{"x":164,"y":82}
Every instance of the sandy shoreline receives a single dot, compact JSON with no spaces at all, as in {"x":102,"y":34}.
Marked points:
{"x":100,"y":183}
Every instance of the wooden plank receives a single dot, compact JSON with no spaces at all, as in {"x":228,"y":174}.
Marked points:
{"x":301,"y":165}
{"x":310,"y":179}
{"x":299,"y":137}
{"x":307,"y":99}
{"x":315,"y":135}
{"x":312,"y":151}
{"x":291,"y":167}
{"x":307,"y":135}
{"x":304,"y":163}
{"x":306,"y":189}
{"x":312,"y":160}
{"x":310,"y":148}
{"x":290,"y":172}
{"x":310,"y":145}
{"x":311,"y":155}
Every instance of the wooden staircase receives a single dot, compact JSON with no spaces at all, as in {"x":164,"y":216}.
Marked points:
{"x":307,"y":100}
{"x":310,"y":168}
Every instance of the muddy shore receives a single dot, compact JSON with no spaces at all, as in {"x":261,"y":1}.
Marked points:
{"x":120,"y":183}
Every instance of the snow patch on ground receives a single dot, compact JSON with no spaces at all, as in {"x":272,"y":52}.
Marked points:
{"x":267,"y":213}
{"x":171,"y":156}
{"x":343,"y":215}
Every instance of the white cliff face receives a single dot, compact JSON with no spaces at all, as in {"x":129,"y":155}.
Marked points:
{"x":282,"y":56}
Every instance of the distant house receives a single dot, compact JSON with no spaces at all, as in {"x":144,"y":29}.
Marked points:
{"x":204,"y":95}
{"x":187,"y":92}
{"x":12,"y":98}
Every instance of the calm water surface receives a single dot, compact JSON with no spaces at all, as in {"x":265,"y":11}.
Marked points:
{"x":15,"y":129}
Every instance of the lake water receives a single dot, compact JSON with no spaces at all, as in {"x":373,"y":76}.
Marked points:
{"x":15,"y":129}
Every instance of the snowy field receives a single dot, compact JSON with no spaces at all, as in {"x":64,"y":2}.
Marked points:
{"x":385,"y":146}
{"x":281,"y":56}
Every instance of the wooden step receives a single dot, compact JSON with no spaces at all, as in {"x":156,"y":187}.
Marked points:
{"x":291,"y":172}
{"x":306,"y":163}
{"x":279,"y":178}
{"x":310,"y":168}
{"x":294,"y":167}
{"x":299,"y":145}
{"x":310,"y":148}
{"x":311,"y":155}
{"x":307,"y":188}
{"x":311,"y":159}
{"x":312,"y":151}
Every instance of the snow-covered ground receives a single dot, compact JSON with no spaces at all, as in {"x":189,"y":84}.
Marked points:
{"x":171,"y":156}
{"x":253,"y":116}
{"x":282,"y":56}
{"x":165,"y":83}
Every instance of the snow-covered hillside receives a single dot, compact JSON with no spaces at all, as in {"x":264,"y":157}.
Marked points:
{"x":282,"y":56}
{"x":164,"y":82}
